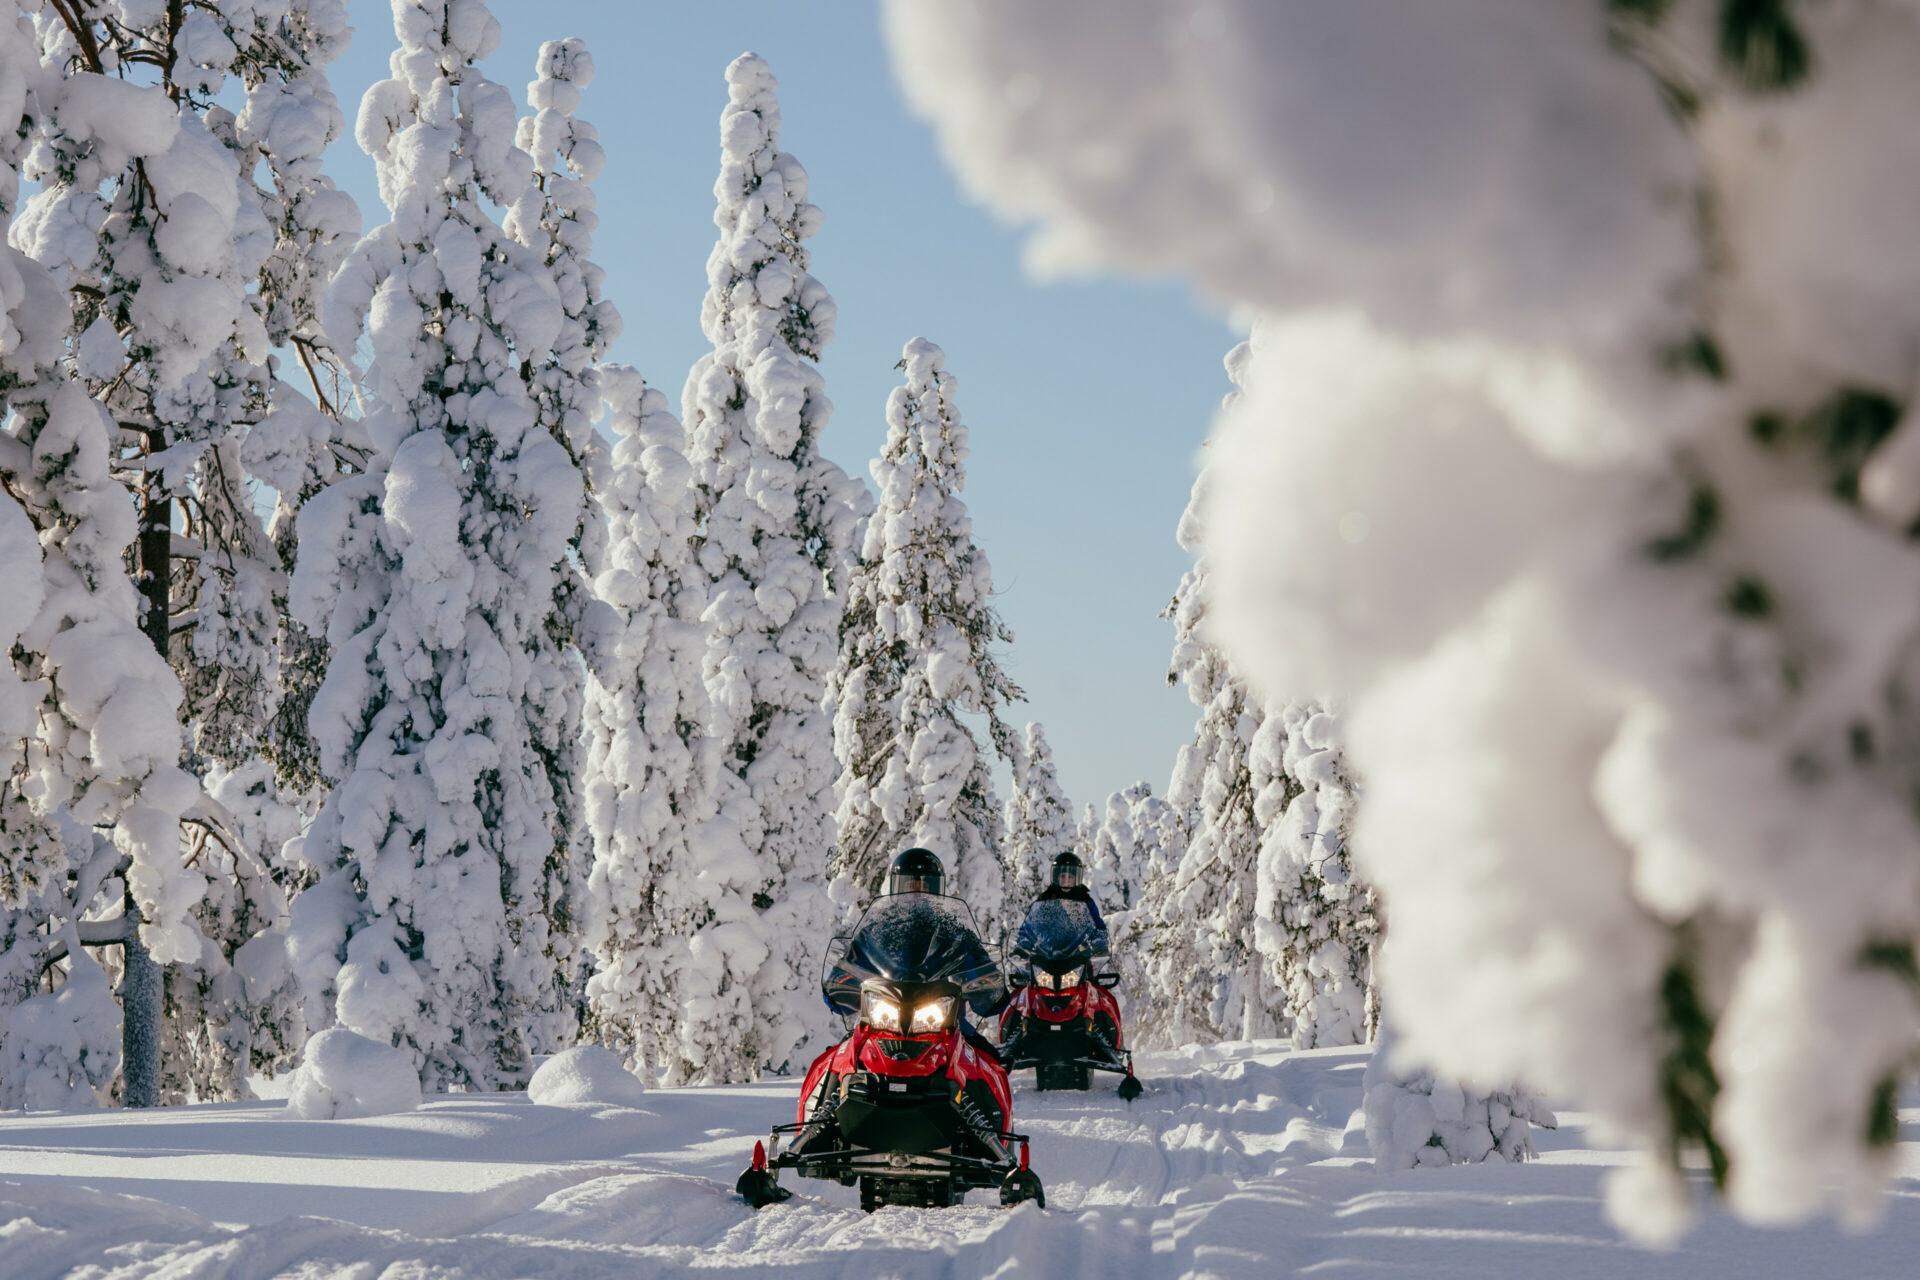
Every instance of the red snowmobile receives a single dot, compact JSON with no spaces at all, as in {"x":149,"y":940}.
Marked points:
{"x":905,"y":1106}
{"x":1063,"y":1021}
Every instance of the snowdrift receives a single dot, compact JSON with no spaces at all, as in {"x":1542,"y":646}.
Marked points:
{"x":345,"y":1076}
{"x":589,"y":1074}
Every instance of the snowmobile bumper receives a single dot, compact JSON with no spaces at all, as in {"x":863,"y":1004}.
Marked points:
{"x":904,"y":1139}
{"x":1062,"y":1044}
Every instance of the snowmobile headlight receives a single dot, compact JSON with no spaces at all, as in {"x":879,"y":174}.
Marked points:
{"x":1069,"y":980}
{"x":933,"y":1015}
{"x":1045,"y":979}
{"x":881,"y":1013}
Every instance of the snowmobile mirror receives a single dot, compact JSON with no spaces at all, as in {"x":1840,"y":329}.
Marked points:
{"x":1018,"y":979}
{"x":1106,"y":980}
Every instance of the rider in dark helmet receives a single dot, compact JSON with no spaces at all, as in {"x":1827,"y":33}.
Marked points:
{"x":916,"y":871}
{"x":1069,"y":881}
{"x":984,"y":991}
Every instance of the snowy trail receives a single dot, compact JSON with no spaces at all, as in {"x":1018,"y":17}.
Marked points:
{"x":1239,"y":1161}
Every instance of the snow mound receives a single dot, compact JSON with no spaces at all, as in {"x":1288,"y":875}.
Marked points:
{"x":1417,"y":1120}
{"x":345,"y":1076}
{"x":590,"y":1073}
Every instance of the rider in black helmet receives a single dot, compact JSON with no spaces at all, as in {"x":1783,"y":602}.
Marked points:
{"x":984,"y":991}
{"x":916,"y":871}
{"x":1069,"y":881}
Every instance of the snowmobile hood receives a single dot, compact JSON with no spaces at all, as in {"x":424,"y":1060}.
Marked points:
{"x":1059,"y":931}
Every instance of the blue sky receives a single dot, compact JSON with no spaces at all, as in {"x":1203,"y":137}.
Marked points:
{"x":1085,"y":401}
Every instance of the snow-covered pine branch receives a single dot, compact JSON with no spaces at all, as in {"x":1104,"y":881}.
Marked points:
{"x":304,"y":441}
{"x":429,"y":575}
{"x":774,"y":518}
{"x":917,"y":655}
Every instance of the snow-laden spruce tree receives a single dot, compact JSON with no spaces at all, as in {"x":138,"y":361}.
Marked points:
{"x":1598,"y":511}
{"x":1120,"y":849}
{"x":1159,"y":836}
{"x":236,"y":1010}
{"x":185,"y":266}
{"x":917,"y":657}
{"x":430,"y":575}
{"x":289,"y":118}
{"x":1039,"y":823}
{"x":670,"y":920}
{"x":774,"y":518}
{"x":161,"y":255}
{"x":103,"y":793}
{"x":1204,"y":956}
{"x":1316,"y":923}
{"x":556,"y":217}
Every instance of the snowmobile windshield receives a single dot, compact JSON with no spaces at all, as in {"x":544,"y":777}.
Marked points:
{"x":1060,"y":931}
{"x":913,"y":938}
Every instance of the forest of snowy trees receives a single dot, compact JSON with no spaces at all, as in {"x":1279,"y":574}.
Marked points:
{"x":385,"y":659}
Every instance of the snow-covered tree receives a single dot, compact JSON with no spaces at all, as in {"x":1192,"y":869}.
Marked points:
{"x":283,"y":130}
{"x":1086,"y":832}
{"x":774,"y":518}
{"x":1598,"y":512}
{"x":186,"y":261}
{"x":430,"y":575}
{"x":1120,"y":848}
{"x":94,"y":805}
{"x":1316,"y":924}
{"x":917,"y":656}
{"x":235,"y":1010}
{"x":162,"y":255}
{"x":670,"y":918}
{"x":1039,"y":822}
{"x":1204,"y":957}
{"x":556,"y":217}
{"x":1160,"y":838}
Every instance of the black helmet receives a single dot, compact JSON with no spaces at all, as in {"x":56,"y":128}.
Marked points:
{"x":916,"y":871}
{"x":1066,"y":871}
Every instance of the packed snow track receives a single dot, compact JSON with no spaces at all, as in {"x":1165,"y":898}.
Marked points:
{"x":1240,"y":1161}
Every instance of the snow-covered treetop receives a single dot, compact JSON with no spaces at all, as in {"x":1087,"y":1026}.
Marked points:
{"x":438,"y":125}
{"x":439,"y":131}
{"x":757,"y":278}
{"x":557,"y":217}
{"x":291,"y":121}
{"x":920,"y":538}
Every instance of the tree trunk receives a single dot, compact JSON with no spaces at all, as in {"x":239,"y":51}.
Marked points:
{"x":140,"y":982}
{"x":139,"y":1018}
